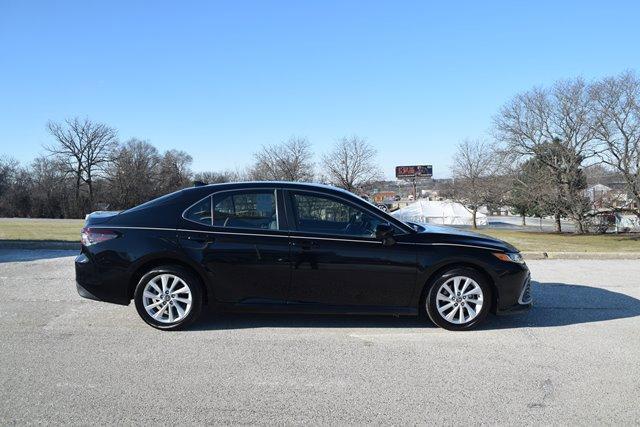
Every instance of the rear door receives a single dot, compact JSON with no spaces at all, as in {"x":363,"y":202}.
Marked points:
{"x":240,"y":238}
{"x":336,"y":259}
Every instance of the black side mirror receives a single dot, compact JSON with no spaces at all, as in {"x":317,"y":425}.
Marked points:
{"x":385,"y":233}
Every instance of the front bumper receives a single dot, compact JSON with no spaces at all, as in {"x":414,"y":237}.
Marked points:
{"x":514,"y":294}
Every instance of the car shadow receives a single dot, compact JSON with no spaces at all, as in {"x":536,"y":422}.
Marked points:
{"x":221,"y":321}
{"x":563,"y":304}
{"x":555,"y":304}
{"x":24,"y":255}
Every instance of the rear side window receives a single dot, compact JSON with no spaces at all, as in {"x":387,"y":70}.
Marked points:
{"x":245,"y":210}
{"x":200,"y":212}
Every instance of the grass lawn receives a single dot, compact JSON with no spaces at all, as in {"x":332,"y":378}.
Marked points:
{"x":566,"y":242}
{"x":40,"y":229}
{"x":69,"y":230}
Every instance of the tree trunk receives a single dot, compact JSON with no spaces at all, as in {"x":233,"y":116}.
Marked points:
{"x":558,"y":223}
{"x":77,"y":191}
{"x":579,"y":227}
{"x":78,"y":204}
{"x":524,"y":220}
{"x":475,"y":224}
{"x":90,"y":185}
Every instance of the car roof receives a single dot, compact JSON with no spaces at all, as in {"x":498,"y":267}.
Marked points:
{"x":280,"y":184}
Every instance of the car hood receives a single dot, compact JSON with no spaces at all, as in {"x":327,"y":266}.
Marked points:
{"x":441,"y":234}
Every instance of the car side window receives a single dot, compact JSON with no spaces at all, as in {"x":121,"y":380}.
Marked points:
{"x":245,"y":210}
{"x":320,"y":214}
{"x":200,"y":212}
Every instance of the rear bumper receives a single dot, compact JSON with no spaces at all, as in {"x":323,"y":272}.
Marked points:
{"x":91,"y":283}
{"x":85,"y":293}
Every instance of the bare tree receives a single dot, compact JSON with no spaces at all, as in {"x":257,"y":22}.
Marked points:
{"x":8,"y":167}
{"x":133,"y":175}
{"x":217,"y":177}
{"x":174,"y":171}
{"x":351,"y":164}
{"x":84,"y":148}
{"x":9,"y":171}
{"x":531,"y":192}
{"x":15,"y":194}
{"x":49,"y":190}
{"x":476,"y":182}
{"x":38,"y":190}
{"x":617,"y":127}
{"x":560,"y":116}
{"x":288,"y":161}
{"x":600,"y":173}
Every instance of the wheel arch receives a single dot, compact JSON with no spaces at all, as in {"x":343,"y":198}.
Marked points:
{"x":437,"y":271}
{"x":150,"y":264}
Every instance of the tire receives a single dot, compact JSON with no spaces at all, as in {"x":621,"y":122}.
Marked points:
{"x":444,"y":309}
{"x":169,"y":311}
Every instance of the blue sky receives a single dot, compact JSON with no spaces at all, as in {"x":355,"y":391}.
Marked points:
{"x":219,"y":79}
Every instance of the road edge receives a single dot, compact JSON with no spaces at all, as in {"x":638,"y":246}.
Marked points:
{"x":580,"y":255}
{"x":39,"y":244}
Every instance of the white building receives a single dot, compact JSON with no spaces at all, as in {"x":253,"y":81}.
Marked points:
{"x":439,"y":212}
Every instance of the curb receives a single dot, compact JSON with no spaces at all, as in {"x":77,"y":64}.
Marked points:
{"x":39,"y":244}
{"x":580,"y":255}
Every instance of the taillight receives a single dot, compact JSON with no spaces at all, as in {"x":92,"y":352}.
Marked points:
{"x":89,"y":235}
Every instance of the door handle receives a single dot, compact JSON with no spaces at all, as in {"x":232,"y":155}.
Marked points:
{"x":199,"y":239}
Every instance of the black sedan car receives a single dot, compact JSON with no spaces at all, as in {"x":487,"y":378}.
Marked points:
{"x":281,"y":246}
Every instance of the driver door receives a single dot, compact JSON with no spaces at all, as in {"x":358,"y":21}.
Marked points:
{"x":336,"y":259}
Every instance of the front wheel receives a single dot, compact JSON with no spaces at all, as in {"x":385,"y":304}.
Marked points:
{"x":168,"y":297}
{"x":459,"y":299}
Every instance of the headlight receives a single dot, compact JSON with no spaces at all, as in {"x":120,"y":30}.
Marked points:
{"x":509,"y":257}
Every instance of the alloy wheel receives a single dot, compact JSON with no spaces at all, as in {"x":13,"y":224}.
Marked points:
{"x":459,"y":300}
{"x":167,"y":298}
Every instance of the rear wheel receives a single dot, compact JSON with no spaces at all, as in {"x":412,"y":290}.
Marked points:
{"x":459,"y":299}
{"x":168,"y":297}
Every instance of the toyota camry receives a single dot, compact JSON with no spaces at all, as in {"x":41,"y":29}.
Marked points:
{"x":292,"y":247}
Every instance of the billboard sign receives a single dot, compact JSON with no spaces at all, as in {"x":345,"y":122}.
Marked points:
{"x":419,"y":171}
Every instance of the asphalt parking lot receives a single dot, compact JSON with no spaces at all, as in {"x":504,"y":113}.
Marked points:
{"x":575,"y":358}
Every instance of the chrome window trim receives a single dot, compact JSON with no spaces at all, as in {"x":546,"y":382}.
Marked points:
{"x":248,"y":189}
{"x":184,"y":212}
{"x":289,"y":236}
{"x":337,"y":239}
{"x":347,"y":238}
{"x":236,"y":233}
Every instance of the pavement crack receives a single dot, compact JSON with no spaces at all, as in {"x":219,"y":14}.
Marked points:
{"x":548,"y":391}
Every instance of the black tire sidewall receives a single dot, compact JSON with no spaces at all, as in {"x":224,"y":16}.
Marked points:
{"x":429,"y":300}
{"x":188,"y":278}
